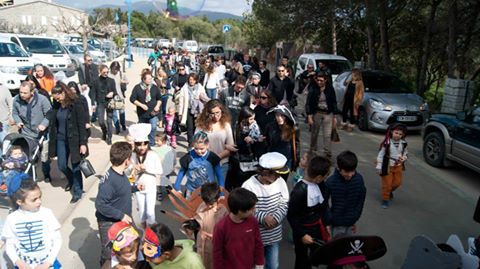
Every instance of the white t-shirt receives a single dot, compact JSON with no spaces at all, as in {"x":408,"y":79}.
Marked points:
{"x":211,"y":81}
{"x":33,"y":237}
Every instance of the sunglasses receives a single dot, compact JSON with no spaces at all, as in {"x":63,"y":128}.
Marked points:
{"x":141,"y":143}
{"x":89,"y":60}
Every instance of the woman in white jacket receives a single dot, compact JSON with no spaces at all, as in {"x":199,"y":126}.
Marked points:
{"x":190,"y":101}
{"x":145,"y":168}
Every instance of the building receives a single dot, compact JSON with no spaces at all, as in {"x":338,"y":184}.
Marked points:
{"x":40,"y":17}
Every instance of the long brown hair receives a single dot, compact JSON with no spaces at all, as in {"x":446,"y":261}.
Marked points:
{"x":272,"y":102}
{"x":70,"y":96}
{"x":287,"y":129}
{"x":46,"y":71}
{"x":204,"y":121}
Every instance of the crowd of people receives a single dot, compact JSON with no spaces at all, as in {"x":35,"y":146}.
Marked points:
{"x":244,"y":161}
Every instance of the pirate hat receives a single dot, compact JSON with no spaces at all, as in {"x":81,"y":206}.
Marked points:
{"x":274,"y":161}
{"x":283,"y":110}
{"x":348,"y":250}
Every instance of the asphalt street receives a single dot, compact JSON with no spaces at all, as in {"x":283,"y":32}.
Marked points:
{"x":431,"y":201}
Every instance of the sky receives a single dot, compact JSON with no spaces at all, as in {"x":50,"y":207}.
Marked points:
{"x":236,"y":7}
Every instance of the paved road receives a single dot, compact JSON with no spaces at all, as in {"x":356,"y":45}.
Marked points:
{"x":434,"y":202}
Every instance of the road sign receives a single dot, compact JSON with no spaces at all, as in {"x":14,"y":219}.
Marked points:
{"x":226,"y":28}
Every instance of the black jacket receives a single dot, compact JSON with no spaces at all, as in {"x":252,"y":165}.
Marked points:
{"x":278,"y":88}
{"x":314,"y":96}
{"x":103,"y":86}
{"x":262,"y":117}
{"x":76,"y":132}
{"x":92,"y":74}
{"x":300,"y":214}
{"x":265,"y":77}
{"x":179,"y":80}
{"x":275,"y":143}
{"x":347,"y":198}
{"x":138,"y":94}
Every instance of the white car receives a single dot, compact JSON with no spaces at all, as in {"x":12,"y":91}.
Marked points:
{"x":337,"y":64}
{"x":98,"y":56}
{"x":164,"y":43}
{"x":15,"y":64}
{"x":44,"y":50}
{"x":190,"y":45}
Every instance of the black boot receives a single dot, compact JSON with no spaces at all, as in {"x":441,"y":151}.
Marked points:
{"x":104,"y":132}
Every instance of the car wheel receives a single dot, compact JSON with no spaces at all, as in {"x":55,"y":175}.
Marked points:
{"x":434,"y":149}
{"x":362,"y":119}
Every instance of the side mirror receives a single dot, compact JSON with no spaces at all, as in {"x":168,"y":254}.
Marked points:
{"x":462,"y":115}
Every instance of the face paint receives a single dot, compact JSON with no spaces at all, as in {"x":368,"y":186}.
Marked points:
{"x":151,"y":246}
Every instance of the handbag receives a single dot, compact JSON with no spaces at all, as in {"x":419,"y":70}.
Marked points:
{"x":248,"y":163}
{"x":86,"y":167}
{"x":116,"y":103}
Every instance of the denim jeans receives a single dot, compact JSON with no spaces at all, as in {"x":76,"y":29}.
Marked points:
{"x":153,"y":122}
{"x":73,"y":175}
{"x":118,"y":118}
{"x":106,"y":250}
{"x":212,"y":93}
{"x":271,"y":255}
{"x":224,"y":168}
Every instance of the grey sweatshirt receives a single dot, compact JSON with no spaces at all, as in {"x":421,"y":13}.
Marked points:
{"x":40,"y":107}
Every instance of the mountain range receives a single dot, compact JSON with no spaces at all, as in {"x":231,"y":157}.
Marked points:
{"x":144,"y":7}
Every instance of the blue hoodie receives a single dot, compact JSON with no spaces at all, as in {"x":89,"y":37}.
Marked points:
{"x":199,"y":169}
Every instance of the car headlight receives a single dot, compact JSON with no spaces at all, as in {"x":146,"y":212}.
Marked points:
{"x":377,"y":105}
{"x":424,"y":107}
{"x":8,"y":69}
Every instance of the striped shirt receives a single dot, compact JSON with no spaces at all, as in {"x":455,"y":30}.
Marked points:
{"x":272,"y":200}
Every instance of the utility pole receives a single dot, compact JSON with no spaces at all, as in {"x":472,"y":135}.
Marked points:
{"x":129,"y":37}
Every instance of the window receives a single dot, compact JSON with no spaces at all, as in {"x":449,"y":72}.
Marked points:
{"x":42,"y":45}
{"x":302,"y":62}
{"x":44,"y":20}
{"x":11,"y":50}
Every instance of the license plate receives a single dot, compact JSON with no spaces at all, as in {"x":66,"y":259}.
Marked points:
{"x":406,"y":118}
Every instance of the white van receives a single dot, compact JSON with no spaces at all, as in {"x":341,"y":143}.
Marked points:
{"x":337,"y":64}
{"x":15,"y":64}
{"x":190,"y":45}
{"x":45,"y":50}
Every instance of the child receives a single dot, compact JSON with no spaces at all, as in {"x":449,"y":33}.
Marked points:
{"x":162,"y":252}
{"x":168,"y":158}
{"x":200,"y":165}
{"x":172,"y":126}
{"x":390,"y":161}
{"x":248,"y":126}
{"x":125,"y":244}
{"x":236,"y":238}
{"x":307,"y":211}
{"x":302,"y":165}
{"x":114,"y":199}
{"x":272,"y":205}
{"x":15,"y":163}
{"x":32,"y":233}
{"x":208,"y":214}
{"x":345,"y":209}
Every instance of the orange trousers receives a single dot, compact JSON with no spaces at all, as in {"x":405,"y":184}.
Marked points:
{"x":391,"y":181}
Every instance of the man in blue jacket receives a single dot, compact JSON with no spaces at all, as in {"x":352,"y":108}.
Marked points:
{"x":346,"y":192}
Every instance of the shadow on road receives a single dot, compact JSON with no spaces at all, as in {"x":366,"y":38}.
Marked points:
{"x":84,"y":241}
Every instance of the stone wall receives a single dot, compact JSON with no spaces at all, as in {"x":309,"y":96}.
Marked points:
{"x":457,"y":95}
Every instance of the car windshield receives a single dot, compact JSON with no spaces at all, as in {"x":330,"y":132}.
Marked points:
{"x":335,"y":66}
{"x":42,"y":45}
{"x":215,"y":50}
{"x":383,"y":83}
{"x":90,"y":47}
{"x":75,"y":49}
{"x":11,"y":50}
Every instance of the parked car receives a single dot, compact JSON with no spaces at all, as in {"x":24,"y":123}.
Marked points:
{"x":387,"y":100}
{"x":337,"y":64}
{"x":216,"y":50}
{"x":44,"y":50}
{"x":456,"y":138}
{"x":190,"y":45}
{"x":98,"y":56}
{"x":76,"y":53}
{"x":164,"y":42}
{"x":97,"y":44}
{"x":15,"y":64}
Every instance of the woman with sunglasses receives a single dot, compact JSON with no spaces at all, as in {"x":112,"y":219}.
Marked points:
{"x":321,"y":108}
{"x":68,"y":137}
{"x":215,"y":121}
{"x":147,"y":167}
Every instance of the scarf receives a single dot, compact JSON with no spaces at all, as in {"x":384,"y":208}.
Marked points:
{"x":314,"y":195}
{"x":146,"y":88}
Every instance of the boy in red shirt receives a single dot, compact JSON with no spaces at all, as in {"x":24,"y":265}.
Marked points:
{"x":236,"y":239}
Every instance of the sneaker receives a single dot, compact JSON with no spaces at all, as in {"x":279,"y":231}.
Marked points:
{"x":384,"y":204}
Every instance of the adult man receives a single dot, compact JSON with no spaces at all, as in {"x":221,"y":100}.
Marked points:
{"x":30,"y":115}
{"x":87,"y":75}
{"x":103,"y":91}
{"x":180,"y":78}
{"x":323,"y":69}
{"x":6,"y":115}
{"x":264,"y":73}
{"x":235,"y":98}
{"x":281,"y":86}
{"x":288,"y":66}
{"x":305,"y":78}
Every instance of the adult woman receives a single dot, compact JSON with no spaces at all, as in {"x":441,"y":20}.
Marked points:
{"x":36,"y":84}
{"x":44,"y":77}
{"x":121,"y":82}
{"x":320,"y":109}
{"x":146,"y":96}
{"x":267,"y":102}
{"x":73,"y":86}
{"x":352,"y":99}
{"x":283,"y":137}
{"x":68,"y":137}
{"x":145,"y":163}
{"x":161,"y":80}
{"x":103,"y":92}
{"x":211,"y":82}
{"x":215,"y":121}
{"x":191,"y":99}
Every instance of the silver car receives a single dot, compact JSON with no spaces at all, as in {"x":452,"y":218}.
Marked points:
{"x":387,"y":100}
